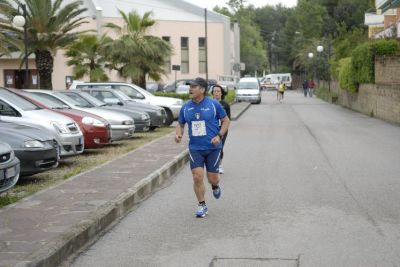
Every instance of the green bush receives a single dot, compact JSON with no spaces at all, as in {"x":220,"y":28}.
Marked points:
{"x":184,"y":97}
{"x":230,"y":97}
{"x":362,"y":62}
{"x":385,"y":47}
{"x":361,"y":67}
{"x":346,"y":75}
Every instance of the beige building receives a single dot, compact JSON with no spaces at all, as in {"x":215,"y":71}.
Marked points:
{"x":177,"y":21}
{"x":385,"y":22}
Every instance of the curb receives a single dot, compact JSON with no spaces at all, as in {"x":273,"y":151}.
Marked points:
{"x":86,"y":232}
{"x":236,"y":117}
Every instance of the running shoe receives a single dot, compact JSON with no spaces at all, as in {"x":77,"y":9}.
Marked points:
{"x":220,"y":169}
{"x":217,"y":192}
{"x":201,"y":211}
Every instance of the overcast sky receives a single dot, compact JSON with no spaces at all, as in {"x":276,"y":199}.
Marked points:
{"x":210,"y":4}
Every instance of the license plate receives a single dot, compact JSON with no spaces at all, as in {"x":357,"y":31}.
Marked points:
{"x":10,"y":172}
{"x":80,"y":141}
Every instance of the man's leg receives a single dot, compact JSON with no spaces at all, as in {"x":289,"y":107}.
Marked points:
{"x":212,"y":164}
{"x":213,"y":178}
{"x":198,"y":183}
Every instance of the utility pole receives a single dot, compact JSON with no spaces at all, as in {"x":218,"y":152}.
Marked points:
{"x":206,"y":38}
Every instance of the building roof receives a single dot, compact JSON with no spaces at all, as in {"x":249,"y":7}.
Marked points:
{"x":174,"y":10}
{"x":387,"y":4}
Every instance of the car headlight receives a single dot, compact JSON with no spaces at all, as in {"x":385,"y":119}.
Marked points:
{"x":145,"y":116}
{"x":179,"y":102}
{"x":92,"y":121}
{"x":60,"y":127}
{"x":33,"y":144}
{"x":127,"y":122}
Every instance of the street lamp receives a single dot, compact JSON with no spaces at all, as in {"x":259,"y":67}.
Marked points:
{"x":20,"y":21}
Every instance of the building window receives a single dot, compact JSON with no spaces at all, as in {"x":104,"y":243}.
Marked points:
{"x":167,"y":64}
{"x":202,"y":55}
{"x":184,"y":55}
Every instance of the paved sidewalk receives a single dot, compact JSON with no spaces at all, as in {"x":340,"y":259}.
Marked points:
{"x":49,"y":226}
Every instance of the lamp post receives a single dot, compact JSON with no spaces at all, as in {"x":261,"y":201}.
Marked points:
{"x":320,"y":49}
{"x":20,"y":21}
{"x":311,"y":56}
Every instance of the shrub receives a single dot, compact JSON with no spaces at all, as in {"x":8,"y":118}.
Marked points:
{"x":385,"y":47}
{"x":362,"y":63}
{"x":363,"y":58}
{"x":346,"y":75}
{"x":230,"y":97}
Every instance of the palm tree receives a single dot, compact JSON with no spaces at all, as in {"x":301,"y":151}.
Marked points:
{"x":87,"y":57}
{"x":51,"y":26}
{"x":6,"y":44}
{"x":135,"y":55}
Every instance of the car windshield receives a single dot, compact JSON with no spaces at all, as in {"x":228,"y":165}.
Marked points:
{"x":121,"y":95}
{"x":50,"y":103}
{"x":248,"y":85}
{"x":18,"y":101}
{"x":74,"y":99}
{"x":129,"y":91}
{"x":88,"y":97}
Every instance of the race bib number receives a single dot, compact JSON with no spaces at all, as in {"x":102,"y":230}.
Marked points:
{"x":199,"y":128}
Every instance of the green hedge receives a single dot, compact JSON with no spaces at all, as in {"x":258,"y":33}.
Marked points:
{"x":230,"y":97}
{"x":360,"y":68}
{"x":346,"y":75}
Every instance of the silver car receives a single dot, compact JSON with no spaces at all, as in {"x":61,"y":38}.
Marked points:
{"x":122,"y":126}
{"x":9,"y":167}
{"x":171,"y":105}
{"x":14,"y":108}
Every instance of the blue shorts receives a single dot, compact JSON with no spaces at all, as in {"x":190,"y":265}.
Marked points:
{"x":209,"y":158}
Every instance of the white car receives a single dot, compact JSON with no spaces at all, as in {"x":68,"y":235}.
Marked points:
{"x":14,"y":108}
{"x":171,"y":105}
{"x":9,"y":167}
{"x":249,"y":89}
{"x":182,"y":89}
{"x":122,"y":126}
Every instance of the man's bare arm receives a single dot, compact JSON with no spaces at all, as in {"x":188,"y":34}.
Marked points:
{"x":179,"y":130}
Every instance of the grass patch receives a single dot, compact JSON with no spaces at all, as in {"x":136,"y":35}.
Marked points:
{"x":72,"y":166}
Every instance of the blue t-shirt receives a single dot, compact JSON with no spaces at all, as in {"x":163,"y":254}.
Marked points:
{"x":203,"y":122}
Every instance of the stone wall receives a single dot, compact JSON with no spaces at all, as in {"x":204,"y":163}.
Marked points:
{"x":387,"y":70}
{"x":376,"y":100}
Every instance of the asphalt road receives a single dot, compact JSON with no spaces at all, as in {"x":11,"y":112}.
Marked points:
{"x":306,"y":183}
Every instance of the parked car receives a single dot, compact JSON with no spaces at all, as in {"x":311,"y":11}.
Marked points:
{"x":171,"y":87}
{"x":141,"y":119}
{"x":95,"y":129}
{"x":9,"y":167}
{"x":117,"y":98}
{"x":183,"y":89}
{"x":37,"y":150}
{"x":154,"y":86}
{"x":122,"y":126}
{"x":172,"y":106}
{"x":249,"y":89}
{"x":14,"y":108}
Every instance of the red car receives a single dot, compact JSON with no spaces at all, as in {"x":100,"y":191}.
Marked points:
{"x":95,"y":129}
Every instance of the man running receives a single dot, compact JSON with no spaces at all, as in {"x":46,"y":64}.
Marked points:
{"x":202,"y":114}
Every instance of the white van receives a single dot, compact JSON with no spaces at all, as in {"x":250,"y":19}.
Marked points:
{"x":249,"y":89}
{"x":272,"y":81}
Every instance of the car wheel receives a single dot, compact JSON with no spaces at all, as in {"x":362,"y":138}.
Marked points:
{"x":170,"y":117}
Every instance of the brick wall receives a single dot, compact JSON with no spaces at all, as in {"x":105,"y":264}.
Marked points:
{"x":387,"y":70}
{"x":377,"y":100}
